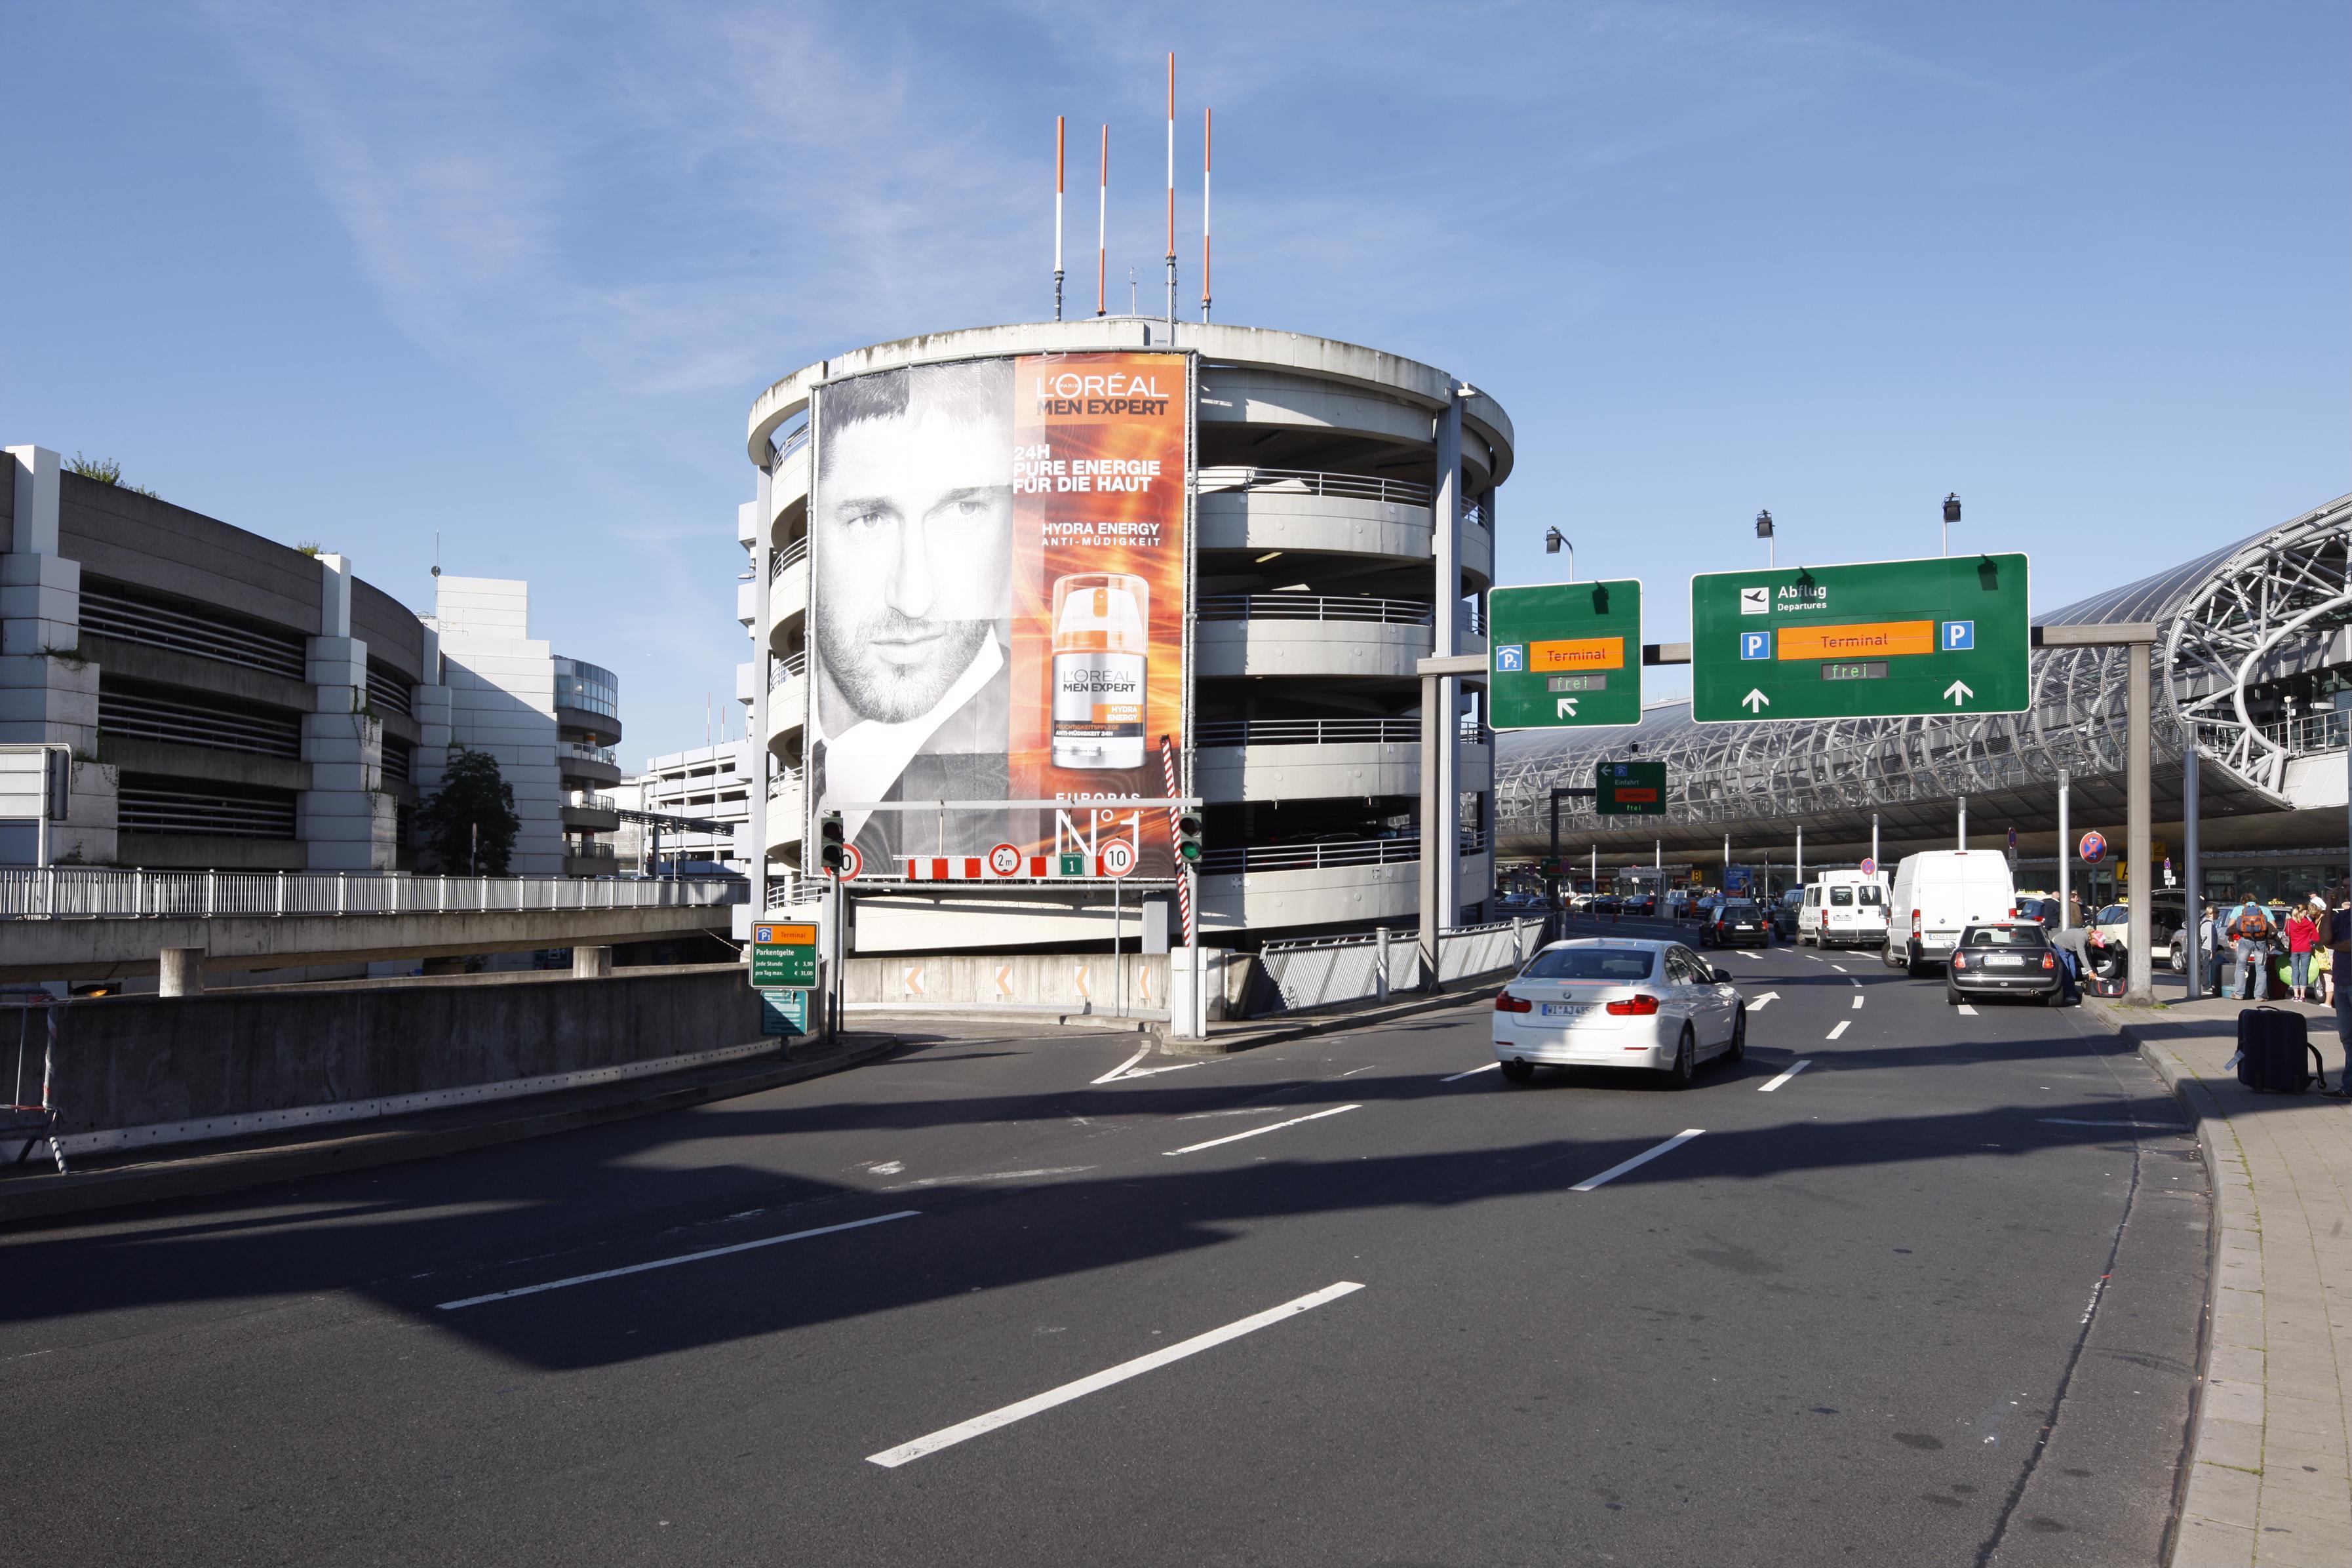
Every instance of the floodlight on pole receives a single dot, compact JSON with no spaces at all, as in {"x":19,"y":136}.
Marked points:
{"x":1554,"y":543}
{"x":1764,"y":531}
{"x":1951,"y":516}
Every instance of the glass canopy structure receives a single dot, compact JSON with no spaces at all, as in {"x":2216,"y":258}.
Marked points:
{"x":2254,"y":642}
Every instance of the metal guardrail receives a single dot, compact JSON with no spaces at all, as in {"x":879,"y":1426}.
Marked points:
{"x":790,"y":556}
{"x":603,"y":754}
{"x":91,"y":892}
{"x":787,"y":668}
{"x":1319,"y":856}
{"x":2307,"y":734}
{"x":785,"y":779}
{"x":1325,"y":732}
{"x":1311,"y":483}
{"x":787,"y":891}
{"x":1314,"y":608}
{"x":785,"y":446}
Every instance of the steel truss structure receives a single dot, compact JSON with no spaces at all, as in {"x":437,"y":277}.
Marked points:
{"x":2274,"y":604}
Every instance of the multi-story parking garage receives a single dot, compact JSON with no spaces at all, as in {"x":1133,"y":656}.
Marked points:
{"x":2253,"y":654}
{"x":1343,"y":506}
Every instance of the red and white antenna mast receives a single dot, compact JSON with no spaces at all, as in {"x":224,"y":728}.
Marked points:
{"x":1102,"y":228}
{"x":1207,"y":126}
{"x":1060,"y":163}
{"x":1171,"y":196}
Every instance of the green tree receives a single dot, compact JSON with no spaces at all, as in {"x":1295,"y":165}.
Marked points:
{"x":472,"y":797}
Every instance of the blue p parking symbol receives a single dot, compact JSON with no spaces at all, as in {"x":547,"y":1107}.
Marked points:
{"x":1510,"y":657}
{"x":1958,"y":637}
{"x":1756,"y":645}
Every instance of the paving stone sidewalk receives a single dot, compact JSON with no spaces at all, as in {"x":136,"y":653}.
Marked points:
{"x":2270,"y":1482}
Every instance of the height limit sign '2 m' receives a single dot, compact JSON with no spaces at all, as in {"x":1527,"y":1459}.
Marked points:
{"x":1885,"y":639}
{"x":1567,"y":655}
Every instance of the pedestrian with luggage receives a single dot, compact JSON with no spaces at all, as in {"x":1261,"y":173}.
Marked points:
{"x":2250,"y":930}
{"x":2335,"y":936}
{"x":2302,"y":936}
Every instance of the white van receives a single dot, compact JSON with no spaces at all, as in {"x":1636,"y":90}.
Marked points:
{"x":1844,"y":908}
{"x":1937,"y":893}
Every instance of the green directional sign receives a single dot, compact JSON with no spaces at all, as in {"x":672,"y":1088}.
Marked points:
{"x":783,"y":955}
{"x":1882,"y":639}
{"x":1630,"y":789}
{"x":1565,"y":655}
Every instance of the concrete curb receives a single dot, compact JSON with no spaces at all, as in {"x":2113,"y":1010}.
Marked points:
{"x":1251,"y":1040}
{"x":2225,"y":1423}
{"x":203,"y":1175}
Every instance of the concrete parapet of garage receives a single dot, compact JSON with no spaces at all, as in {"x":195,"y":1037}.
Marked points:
{"x":137,"y":1072}
{"x":109,"y":949}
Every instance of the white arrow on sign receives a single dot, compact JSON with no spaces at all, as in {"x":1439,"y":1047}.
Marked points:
{"x":1754,"y":701}
{"x":1958,"y":692}
{"x":1566,"y":710}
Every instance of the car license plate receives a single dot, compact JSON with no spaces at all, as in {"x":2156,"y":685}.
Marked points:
{"x":1566,"y":1009}
{"x":2004,"y":961}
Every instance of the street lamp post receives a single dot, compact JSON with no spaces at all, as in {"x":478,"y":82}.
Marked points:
{"x":1951,"y":516}
{"x":1765,"y":532}
{"x":1554,"y":543}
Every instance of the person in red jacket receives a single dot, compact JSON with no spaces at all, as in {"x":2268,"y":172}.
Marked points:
{"x":2302,"y":936}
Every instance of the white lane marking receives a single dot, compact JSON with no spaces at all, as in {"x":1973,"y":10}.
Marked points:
{"x":1851,"y":981}
{"x":1473,"y":1072}
{"x":1839,"y":967}
{"x":1120,"y":1071}
{"x":1801,"y":1064}
{"x":1277,"y":1127}
{"x":1841,"y":1029}
{"x":990,"y":1176}
{"x":673,"y":1262}
{"x":1970,"y":1011}
{"x":1128,"y":1069}
{"x":1643,"y":1158}
{"x":1857,"y":1001}
{"x":887,"y":1167}
{"x":1755,"y":1002}
{"x":947,"y":1437}
{"x":2070,"y":1122}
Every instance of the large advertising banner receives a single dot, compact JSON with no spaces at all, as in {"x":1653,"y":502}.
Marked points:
{"x":997,"y":613}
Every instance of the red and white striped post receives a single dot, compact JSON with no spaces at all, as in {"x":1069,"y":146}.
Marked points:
{"x":1102,"y":229}
{"x":1207,"y":126}
{"x":1183,"y":871}
{"x":1061,"y":162}
{"x":1172,"y":193}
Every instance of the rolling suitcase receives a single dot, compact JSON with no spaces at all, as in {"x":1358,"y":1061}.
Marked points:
{"x":2274,"y":1051}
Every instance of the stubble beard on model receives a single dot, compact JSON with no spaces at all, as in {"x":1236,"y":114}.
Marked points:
{"x":877,"y":688}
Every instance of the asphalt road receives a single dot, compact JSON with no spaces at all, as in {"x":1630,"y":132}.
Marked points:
{"x":1932,"y":1299}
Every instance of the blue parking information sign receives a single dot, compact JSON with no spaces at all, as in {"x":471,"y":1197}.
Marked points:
{"x":1511,"y":658}
{"x":1960,"y":637}
{"x":1756,"y":645}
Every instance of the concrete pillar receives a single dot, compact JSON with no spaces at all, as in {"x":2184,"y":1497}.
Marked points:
{"x":592,"y":962}
{"x":48,"y":686}
{"x":182,"y":971}
{"x":1447,"y":517}
{"x":343,"y":821}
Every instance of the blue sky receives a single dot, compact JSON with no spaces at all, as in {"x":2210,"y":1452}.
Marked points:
{"x":515,"y":272}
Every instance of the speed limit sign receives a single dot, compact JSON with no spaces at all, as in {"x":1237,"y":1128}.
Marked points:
{"x":1004,"y":861}
{"x":852,"y":862}
{"x":1117,"y":857}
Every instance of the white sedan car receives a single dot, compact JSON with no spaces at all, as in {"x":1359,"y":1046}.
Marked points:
{"x":1607,"y":1001}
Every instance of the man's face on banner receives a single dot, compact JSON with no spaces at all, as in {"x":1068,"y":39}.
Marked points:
{"x":913,"y":548}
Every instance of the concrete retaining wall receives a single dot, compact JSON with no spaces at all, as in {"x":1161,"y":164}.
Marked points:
{"x":136,"y":1061}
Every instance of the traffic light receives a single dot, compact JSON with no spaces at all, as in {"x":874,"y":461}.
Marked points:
{"x":833,"y":848}
{"x":1188,"y":838}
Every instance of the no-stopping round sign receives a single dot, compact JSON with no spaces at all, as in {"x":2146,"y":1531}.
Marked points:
{"x":1117,"y":857}
{"x":1004,"y":861}
{"x":2093,"y":847}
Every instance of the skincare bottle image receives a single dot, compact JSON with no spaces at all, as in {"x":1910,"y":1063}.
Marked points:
{"x":1101,"y":621}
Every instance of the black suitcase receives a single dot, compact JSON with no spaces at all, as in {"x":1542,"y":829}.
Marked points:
{"x":2275,"y":1050}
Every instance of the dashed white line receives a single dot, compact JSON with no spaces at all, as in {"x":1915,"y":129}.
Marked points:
{"x":1970,"y":1011}
{"x":1275,"y":1127}
{"x":1839,"y":967}
{"x":1841,"y":1029}
{"x":1801,"y":1064}
{"x":947,"y":1437}
{"x":1643,"y":1158}
{"x":1857,"y":1001}
{"x":1473,"y":1072}
{"x":673,"y":1262}
{"x":989,"y":1176}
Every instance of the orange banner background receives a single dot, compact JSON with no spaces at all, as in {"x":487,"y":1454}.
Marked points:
{"x":1090,"y":420}
{"x":1879,"y":640}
